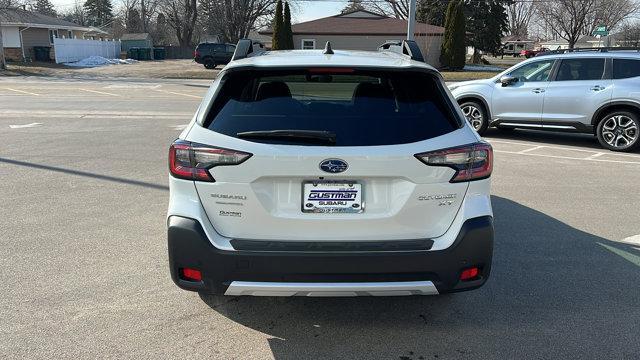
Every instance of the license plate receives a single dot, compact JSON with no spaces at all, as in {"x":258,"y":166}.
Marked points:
{"x":332,"y":197}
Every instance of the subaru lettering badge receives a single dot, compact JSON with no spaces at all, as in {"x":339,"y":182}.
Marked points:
{"x":333,"y":166}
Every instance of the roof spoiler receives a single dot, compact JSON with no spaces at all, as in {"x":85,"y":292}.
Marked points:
{"x":405,"y":47}
{"x":247,"y":48}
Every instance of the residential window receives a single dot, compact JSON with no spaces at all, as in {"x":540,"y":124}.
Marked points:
{"x":580,"y":69}
{"x":308,"y":44}
{"x":53,"y":33}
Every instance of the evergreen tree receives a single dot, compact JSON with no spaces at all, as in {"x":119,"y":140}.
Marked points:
{"x":486,"y":21}
{"x":453,"y":50}
{"x":44,"y":7}
{"x":99,"y":12}
{"x":431,"y":11}
{"x":288,"y":32}
{"x":277,"y":42}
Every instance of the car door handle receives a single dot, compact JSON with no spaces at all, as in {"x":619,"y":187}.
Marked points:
{"x":538,"y":90}
{"x":597,"y":88}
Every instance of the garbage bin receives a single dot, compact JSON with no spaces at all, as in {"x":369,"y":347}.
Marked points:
{"x":159,"y":53}
{"x":134,"y":53}
{"x":144,"y":53}
{"x":41,"y":53}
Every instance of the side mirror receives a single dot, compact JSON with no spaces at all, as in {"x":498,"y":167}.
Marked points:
{"x":508,"y":80}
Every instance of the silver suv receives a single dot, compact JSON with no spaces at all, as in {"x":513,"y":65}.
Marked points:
{"x":596,"y":92}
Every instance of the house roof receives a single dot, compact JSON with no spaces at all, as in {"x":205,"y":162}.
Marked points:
{"x":135,"y":36}
{"x":360,"y":22}
{"x":20,"y":17}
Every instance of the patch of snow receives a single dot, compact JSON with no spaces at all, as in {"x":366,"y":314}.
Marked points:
{"x":483,"y":68}
{"x":93,"y":61}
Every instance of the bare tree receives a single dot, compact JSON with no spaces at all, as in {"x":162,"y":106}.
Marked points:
{"x":76,"y":14}
{"x":520,"y":14}
{"x":629,"y":35}
{"x":181,"y":16}
{"x":566,"y":18}
{"x":234,"y":19}
{"x":611,"y":13}
{"x":394,"y":8}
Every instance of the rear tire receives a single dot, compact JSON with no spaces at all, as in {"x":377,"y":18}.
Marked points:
{"x":618,"y":131}
{"x":476,"y":115}
{"x":209,"y":64}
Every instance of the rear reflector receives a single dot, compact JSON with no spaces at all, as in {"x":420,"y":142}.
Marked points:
{"x":190,"y":274}
{"x":471,"y":162}
{"x":469,"y":274}
{"x":192,"y":161}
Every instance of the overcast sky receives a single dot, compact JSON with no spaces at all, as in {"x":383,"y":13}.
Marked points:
{"x":303,"y":11}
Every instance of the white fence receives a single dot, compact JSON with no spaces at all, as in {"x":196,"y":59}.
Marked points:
{"x":70,"y":50}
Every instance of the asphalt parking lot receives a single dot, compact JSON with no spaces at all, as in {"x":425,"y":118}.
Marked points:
{"x":84,"y":263}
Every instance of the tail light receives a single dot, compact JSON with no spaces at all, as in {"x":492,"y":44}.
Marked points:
{"x":192,"y":161}
{"x":471,"y":162}
{"x":196,"y":53}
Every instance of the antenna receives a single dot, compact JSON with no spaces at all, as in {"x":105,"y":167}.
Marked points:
{"x":327,"y":49}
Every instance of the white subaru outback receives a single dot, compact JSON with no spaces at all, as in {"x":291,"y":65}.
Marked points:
{"x":322,"y":173}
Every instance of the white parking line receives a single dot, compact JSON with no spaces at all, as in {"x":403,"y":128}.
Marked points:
{"x":24,"y":126}
{"x":561,"y":148}
{"x":23,"y":92}
{"x":594,"y":156}
{"x":568,"y":157}
{"x":179,"y":127}
{"x":177,"y":93}
{"x":99,"y":92}
{"x":531,"y":149}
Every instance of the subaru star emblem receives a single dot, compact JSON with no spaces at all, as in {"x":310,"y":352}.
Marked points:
{"x":333,"y":166}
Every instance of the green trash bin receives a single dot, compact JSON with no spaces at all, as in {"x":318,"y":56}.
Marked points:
{"x":134,"y":53}
{"x":41,"y":53}
{"x":159,"y":53}
{"x":145,"y":53}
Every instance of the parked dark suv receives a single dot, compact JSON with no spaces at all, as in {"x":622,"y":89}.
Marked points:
{"x":212,"y":54}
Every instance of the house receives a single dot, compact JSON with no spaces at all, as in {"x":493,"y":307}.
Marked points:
{"x":364,"y":30}
{"x":136,"y":40}
{"x":23,"y":30}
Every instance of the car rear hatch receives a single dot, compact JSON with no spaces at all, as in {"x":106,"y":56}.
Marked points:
{"x":329,"y":154}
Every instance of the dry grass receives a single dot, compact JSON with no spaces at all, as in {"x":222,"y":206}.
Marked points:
{"x":467,"y":75}
{"x":167,"y":69}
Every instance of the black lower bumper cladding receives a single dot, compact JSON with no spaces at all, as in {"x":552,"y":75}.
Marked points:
{"x":189,"y":247}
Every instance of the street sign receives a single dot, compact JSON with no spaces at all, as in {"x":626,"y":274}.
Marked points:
{"x":600,"y":30}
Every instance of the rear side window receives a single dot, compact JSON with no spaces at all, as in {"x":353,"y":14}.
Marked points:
{"x":580,"y":69}
{"x":360,"y":108}
{"x":625,"y":68}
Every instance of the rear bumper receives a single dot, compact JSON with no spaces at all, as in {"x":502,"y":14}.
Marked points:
{"x":328,"y":273}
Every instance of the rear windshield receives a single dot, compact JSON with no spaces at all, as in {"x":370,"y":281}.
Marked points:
{"x":359,"y":108}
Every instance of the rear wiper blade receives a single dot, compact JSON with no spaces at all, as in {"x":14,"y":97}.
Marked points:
{"x":318,"y":136}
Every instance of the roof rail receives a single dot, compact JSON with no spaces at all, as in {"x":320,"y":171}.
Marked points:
{"x":246,"y":48}
{"x":407,"y":47}
{"x":596,"y":49}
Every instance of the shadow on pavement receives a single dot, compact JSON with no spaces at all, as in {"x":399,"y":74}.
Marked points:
{"x":85,"y":174}
{"x":548,"y":138}
{"x":554,"y":292}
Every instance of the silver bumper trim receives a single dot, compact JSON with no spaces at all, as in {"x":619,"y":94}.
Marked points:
{"x":331,"y":289}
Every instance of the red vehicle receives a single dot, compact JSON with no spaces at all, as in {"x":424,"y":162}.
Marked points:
{"x":531,"y":53}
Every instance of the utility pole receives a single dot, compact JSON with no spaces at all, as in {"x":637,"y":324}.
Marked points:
{"x":411,"y":21}
{"x":3,"y":64}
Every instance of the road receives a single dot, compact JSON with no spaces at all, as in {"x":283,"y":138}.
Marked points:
{"x":84,"y":260}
